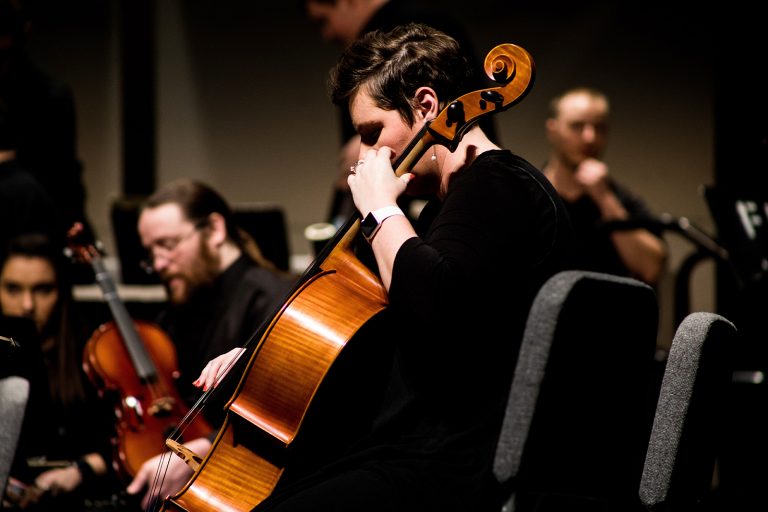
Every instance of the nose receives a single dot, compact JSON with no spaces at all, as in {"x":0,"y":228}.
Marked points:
{"x":27,"y":302}
{"x":160,"y":262}
{"x":589,"y":133}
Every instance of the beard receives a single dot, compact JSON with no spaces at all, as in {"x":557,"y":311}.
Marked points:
{"x":182,"y":286}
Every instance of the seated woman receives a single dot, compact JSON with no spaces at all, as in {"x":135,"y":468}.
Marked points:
{"x":63,"y":456}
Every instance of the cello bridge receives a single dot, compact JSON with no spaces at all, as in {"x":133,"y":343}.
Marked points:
{"x":192,"y":459}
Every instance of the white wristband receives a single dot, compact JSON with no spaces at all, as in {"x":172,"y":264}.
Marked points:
{"x":372,"y":222}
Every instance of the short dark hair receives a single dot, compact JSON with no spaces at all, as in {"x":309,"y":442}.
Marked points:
{"x":392,"y":65}
{"x":554,"y":104}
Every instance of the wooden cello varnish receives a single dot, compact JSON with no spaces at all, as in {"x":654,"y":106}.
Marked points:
{"x":284,"y":372}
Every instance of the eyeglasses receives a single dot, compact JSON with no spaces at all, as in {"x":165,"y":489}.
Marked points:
{"x":165,"y":247}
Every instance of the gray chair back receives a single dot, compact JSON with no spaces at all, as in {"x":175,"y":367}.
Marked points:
{"x":689,"y":416}
{"x":14,"y":393}
{"x":580,"y":407}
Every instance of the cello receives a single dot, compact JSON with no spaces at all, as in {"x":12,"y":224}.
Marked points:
{"x":290,"y":356}
{"x":136,"y":360}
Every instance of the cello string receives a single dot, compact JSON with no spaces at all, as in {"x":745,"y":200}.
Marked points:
{"x":157,"y":481}
{"x":194,"y":411}
{"x":159,"y":400}
{"x":199,"y":404}
{"x":177,"y":433}
{"x":249,"y":347}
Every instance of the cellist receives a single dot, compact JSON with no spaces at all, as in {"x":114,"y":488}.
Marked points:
{"x":460,"y":283}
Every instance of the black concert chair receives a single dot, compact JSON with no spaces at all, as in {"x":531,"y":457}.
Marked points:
{"x":688,"y":426}
{"x":266,"y":223}
{"x":581,"y":403}
{"x":14,"y":393}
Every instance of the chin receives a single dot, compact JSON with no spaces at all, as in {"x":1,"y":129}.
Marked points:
{"x":177,"y":294}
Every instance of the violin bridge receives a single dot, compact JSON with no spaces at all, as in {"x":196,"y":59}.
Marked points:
{"x":192,"y":459}
{"x":161,"y":407}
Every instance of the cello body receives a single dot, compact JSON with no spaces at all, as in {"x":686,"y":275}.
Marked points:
{"x":284,"y":372}
{"x":334,"y":299}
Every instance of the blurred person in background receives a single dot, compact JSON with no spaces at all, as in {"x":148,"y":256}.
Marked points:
{"x":577,"y":128}
{"x":64,"y":453}
{"x":220,"y":289}
{"x":44,"y":119}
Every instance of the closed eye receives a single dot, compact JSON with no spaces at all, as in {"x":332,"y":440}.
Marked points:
{"x":369,"y":135}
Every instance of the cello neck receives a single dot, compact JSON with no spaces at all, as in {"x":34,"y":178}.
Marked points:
{"x":345,"y":236}
{"x":508,"y":65}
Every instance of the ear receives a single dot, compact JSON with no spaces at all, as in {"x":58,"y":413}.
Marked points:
{"x":427,"y":104}
{"x":217,"y":229}
{"x":551,"y":127}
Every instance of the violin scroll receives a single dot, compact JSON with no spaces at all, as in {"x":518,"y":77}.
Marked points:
{"x":79,"y":249}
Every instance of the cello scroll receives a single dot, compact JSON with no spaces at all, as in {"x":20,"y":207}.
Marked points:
{"x":507,"y":64}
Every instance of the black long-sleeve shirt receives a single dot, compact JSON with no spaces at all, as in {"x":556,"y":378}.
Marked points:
{"x":459,"y":299}
{"x":219,"y":318}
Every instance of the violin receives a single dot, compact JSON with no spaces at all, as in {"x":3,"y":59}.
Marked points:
{"x":291,"y":354}
{"x":135,"y":360}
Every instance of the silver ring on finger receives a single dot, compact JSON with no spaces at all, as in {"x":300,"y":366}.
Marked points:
{"x":353,"y":168}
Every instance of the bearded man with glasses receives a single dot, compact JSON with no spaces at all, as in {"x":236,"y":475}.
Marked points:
{"x":219,"y":291}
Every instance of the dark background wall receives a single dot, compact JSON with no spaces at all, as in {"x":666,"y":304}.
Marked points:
{"x":234,"y":93}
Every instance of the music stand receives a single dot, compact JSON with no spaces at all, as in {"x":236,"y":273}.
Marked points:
{"x":742,"y":226}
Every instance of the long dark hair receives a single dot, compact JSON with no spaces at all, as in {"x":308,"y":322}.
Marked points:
{"x":64,"y":360}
